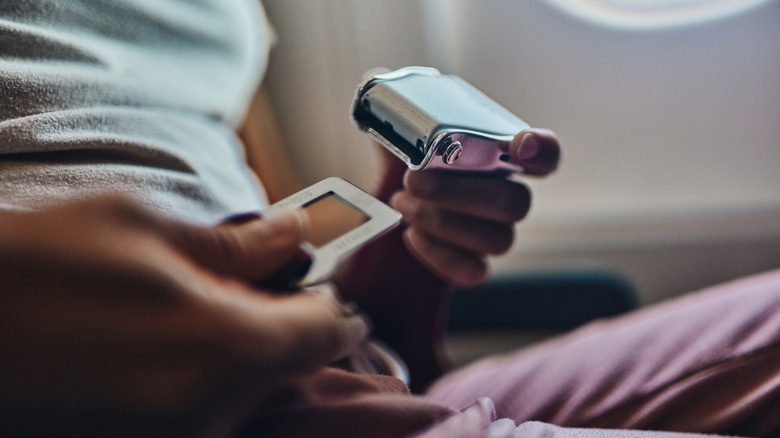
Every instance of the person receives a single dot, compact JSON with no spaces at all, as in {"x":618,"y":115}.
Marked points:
{"x":132,"y":155}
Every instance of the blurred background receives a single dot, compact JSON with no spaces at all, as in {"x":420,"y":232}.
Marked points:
{"x":668,"y":114}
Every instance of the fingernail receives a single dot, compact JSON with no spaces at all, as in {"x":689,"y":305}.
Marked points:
{"x":529,"y":147}
{"x":538,"y":153}
{"x":349,"y":308}
{"x":357,"y":327}
{"x":241,"y":218}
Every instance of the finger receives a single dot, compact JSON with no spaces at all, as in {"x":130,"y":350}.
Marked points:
{"x":293,"y":333}
{"x":467,"y":232}
{"x":452,"y":264}
{"x":250,"y":250}
{"x":488,"y":197}
{"x":536,"y":150}
{"x":326,"y":331}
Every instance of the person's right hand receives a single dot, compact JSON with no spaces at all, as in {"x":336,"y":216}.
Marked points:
{"x":117,"y":321}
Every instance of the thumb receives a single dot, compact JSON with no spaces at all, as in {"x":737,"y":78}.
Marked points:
{"x":537,"y":150}
{"x":251,"y":250}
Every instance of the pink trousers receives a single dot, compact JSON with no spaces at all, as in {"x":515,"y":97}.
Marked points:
{"x":707,"y":363}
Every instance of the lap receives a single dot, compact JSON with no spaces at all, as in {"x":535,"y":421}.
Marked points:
{"x":708,"y":362}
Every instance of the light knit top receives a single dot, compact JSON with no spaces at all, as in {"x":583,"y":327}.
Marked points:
{"x":141,"y":97}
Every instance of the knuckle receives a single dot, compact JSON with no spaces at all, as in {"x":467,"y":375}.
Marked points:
{"x":435,"y":219}
{"x":427,"y":216}
{"x":312,"y":334}
{"x":228,"y":246}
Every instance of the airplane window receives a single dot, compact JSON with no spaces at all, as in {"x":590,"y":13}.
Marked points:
{"x":653,"y":13}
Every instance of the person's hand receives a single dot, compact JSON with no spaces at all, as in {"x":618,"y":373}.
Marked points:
{"x":114,"y":320}
{"x":455,"y":220}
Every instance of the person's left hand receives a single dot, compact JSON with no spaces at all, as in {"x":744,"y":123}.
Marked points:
{"x":456,"y":220}
{"x":116,"y":320}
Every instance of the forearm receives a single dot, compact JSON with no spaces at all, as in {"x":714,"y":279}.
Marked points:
{"x":265,"y":151}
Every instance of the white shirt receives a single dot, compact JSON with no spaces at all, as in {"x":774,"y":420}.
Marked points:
{"x":141,"y":97}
